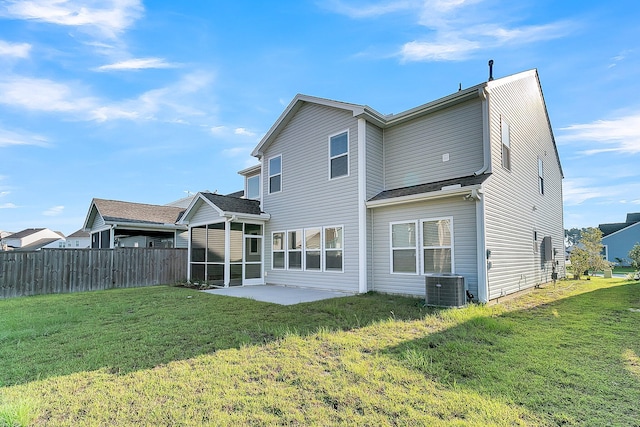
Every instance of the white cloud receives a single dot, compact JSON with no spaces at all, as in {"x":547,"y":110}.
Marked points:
{"x":9,"y":138}
{"x":4,"y":193}
{"x":577,"y":191}
{"x":109,"y":17}
{"x":8,"y":206}
{"x":619,"y":135}
{"x":244,"y":132}
{"x":236,"y":151}
{"x":19,"y":50}
{"x":218,"y":130}
{"x":456,"y":29}
{"x":170,"y":103}
{"x":43,"y":95}
{"x":137,"y":64}
{"x":368,"y":10}
{"x":54,"y":211}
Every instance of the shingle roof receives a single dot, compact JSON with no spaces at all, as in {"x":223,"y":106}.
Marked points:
{"x":26,"y":232}
{"x":633,"y":217}
{"x":79,"y":233}
{"x":38,"y":244}
{"x":612,"y":228}
{"x":234,"y":204}
{"x":464,"y":181}
{"x":118,"y":211}
{"x":238,"y":193}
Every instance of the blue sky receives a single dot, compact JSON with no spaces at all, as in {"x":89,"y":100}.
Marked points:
{"x":144,"y":101}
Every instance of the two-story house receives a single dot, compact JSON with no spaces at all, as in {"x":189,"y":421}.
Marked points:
{"x":346,"y":198}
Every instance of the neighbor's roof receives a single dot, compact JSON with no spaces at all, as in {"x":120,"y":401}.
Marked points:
{"x":234,"y":204}
{"x":38,"y":244}
{"x":24,"y":233}
{"x":465,"y":181}
{"x":118,"y":211}
{"x":79,"y":233}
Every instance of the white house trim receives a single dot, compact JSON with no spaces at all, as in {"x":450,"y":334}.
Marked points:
{"x":362,"y":205}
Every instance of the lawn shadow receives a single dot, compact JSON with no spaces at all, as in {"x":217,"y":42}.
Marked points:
{"x":567,"y":361}
{"x":126,"y":330}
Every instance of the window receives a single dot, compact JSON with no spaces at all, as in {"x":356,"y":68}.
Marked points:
{"x":278,"y":250}
{"x":253,"y":187}
{"x":437,"y":246}
{"x":312,"y":246}
{"x":506,"y":144}
{"x":311,"y":249}
{"x":540,"y":176}
{"x":339,"y":155}
{"x":275,"y":174}
{"x":333,"y":242}
{"x":403,"y":247}
{"x":294,"y":249}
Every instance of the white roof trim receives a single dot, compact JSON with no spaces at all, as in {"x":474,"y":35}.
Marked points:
{"x":463,"y":191}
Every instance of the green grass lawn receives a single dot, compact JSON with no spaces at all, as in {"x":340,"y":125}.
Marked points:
{"x":563,"y":355}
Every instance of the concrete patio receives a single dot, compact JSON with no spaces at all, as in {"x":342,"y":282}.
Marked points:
{"x":283,"y":295}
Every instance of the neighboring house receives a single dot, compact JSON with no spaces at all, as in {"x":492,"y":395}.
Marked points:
{"x":33,"y":239}
{"x":78,"y":240}
{"x":346,"y":198}
{"x":113,"y":223}
{"x":619,"y":238}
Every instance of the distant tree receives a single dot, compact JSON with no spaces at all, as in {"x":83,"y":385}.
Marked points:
{"x":591,"y":241}
{"x":579,"y":262}
{"x":634,"y":255}
{"x":572,"y":236}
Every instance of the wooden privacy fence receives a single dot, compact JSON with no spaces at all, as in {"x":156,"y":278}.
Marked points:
{"x":52,"y":271}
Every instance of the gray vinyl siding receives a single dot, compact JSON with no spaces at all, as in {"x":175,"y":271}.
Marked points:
{"x":620,"y":243}
{"x":98,"y":223}
{"x":413,"y":151}
{"x":204,"y":214}
{"x":375,"y":160}
{"x":182,"y":239}
{"x":464,"y":243}
{"x":375,"y":185}
{"x":308,"y":198}
{"x":514,"y":208}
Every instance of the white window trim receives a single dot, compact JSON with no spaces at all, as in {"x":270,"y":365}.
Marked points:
{"x":324,"y":249}
{"x":422,"y":247}
{"x":301,"y":250}
{"x":246,"y":185}
{"x":304,"y":249}
{"x":335,"y":157}
{"x":270,"y":175}
{"x":540,"y":176}
{"x":284,"y":242}
{"x":392,"y":248}
{"x":505,"y":134}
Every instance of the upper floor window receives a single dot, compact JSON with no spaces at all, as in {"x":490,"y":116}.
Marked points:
{"x":253,"y":187}
{"x":540,"y":176}
{"x":275,"y":174}
{"x":506,"y":144}
{"x":339,"y":155}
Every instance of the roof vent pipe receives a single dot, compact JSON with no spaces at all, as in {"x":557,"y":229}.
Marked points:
{"x":490,"y":69}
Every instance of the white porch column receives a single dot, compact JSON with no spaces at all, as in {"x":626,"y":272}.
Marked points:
{"x":362,"y":206}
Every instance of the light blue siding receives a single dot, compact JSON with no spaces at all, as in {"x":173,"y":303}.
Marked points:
{"x":621,"y":242}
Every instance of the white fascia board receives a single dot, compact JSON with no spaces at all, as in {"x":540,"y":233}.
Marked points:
{"x":251,"y":170}
{"x":86,"y":220}
{"x":462,"y":191}
{"x":261,"y":217}
{"x":146,"y":226}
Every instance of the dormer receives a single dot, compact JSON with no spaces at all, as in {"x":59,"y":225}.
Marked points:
{"x":252,"y":182}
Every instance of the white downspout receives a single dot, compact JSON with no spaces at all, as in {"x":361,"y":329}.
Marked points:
{"x":486,"y":134}
{"x":481,"y":245}
{"x":362,"y":206}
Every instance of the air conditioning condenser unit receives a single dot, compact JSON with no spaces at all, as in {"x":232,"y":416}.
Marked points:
{"x":445,"y":290}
